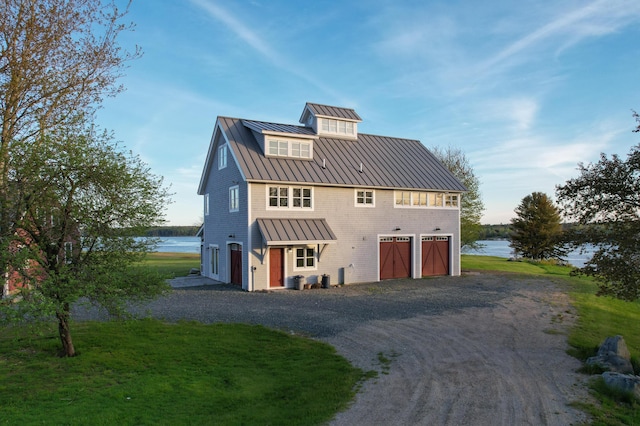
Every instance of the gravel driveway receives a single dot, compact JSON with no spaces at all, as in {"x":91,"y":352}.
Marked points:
{"x":483,"y":349}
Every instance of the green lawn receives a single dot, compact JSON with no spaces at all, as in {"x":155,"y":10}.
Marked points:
{"x":598,"y":318}
{"x":147,"y":372}
{"x":173,"y":265}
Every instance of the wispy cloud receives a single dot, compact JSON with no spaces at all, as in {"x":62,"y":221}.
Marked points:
{"x":567,"y":29}
{"x":257,"y":42}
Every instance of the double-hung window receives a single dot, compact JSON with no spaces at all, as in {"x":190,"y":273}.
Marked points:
{"x":302,"y":197}
{"x":290,"y":197}
{"x":222,"y":157}
{"x":234,"y":199}
{"x":305,"y":258}
{"x":364,"y":198}
{"x":278,"y":196}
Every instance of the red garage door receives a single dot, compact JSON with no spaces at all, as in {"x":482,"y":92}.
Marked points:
{"x":395,"y":257}
{"x":435,"y":256}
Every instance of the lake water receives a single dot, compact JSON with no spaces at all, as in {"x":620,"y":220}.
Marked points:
{"x":179,"y":245}
{"x":500,"y":248}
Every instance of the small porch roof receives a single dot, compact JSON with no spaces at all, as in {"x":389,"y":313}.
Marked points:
{"x":295,"y":231}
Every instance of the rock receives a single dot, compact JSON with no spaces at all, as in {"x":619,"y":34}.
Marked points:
{"x":194,"y":271}
{"x":623,"y":382}
{"x":613,"y":355}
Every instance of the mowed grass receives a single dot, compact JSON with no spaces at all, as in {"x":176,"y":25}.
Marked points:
{"x":172,"y":265}
{"x":146,"y":372}
{"x":598,"y":318}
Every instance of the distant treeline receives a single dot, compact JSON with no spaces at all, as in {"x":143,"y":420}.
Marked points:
{"x":495,"y":232}
{"x":501,"y":232}
{"x":173,"y":231}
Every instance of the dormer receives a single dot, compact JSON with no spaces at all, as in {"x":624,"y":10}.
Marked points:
{"x":283,"y":140}
{"x":331,"y":122}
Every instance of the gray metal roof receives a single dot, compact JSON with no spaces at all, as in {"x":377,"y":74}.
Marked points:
{"x":333,"y":111}
{"x":262,"y":126}
{"x":295,"y":231}
{"x":387,"y":162}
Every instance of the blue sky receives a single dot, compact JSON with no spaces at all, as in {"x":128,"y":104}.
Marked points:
{"x":526,"y":89}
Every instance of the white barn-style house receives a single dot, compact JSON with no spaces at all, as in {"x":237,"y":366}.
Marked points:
{"x":321,"y":200}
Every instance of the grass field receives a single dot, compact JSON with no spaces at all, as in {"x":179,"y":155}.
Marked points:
{"x":173,"y":265}
{"x":148,"y":372}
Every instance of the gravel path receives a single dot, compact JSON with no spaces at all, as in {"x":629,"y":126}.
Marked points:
{"x":478,"y":349}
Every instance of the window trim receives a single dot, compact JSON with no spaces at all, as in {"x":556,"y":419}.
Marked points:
{"x":364,"y":197}
{"x":280,"y":148}
{"x":434,"y":200}
{"x":206,"y":204}
{"x":290,"y":197}
{"x":314,"y":257}
{"x":332,"y":126}
{"x":234,"y":200}
{"x":222,"y":157}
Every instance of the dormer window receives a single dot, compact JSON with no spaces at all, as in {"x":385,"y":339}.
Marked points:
{"x":289,"y":148}
{"x":338,"y":127}
{"x":331,"y":121}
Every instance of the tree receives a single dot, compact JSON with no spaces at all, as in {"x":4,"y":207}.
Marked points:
{"x":58,"y":59}
{"x":83,"y":200}
{"x":471,"y":207}
{"x":536,"y":229}
{"x":604,"y":200}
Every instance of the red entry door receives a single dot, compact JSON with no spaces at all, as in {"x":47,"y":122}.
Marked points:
{"x":236,"y":264}
{"x":276,"y":267}
{"x":435,"y":256}
{"x":395,"y":257}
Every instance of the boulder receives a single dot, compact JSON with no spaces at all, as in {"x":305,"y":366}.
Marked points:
{"x":613,"y":355}
{"x":623,"y":382}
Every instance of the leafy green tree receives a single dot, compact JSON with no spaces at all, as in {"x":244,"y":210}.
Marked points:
{"x":536,"y":229}
{"x":82,"y":202}
{"x":471,"y":206}
{"x":58,"y":60}
{"x":605,"y":203}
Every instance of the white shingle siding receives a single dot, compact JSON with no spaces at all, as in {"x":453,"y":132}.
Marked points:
{"x":357,"y":231}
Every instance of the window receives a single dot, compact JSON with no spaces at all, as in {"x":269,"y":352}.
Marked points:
{"x":451,"y":200}
{"x":302,"y":197}
{"x":426,"y":199}
{"x":305,"y":258}
{"x":294,"y":149}
{"x":222,"y":157}
{"x":215,"y":260}
{"x":234,"y":202}
{"x":420,"y":199}
{"x":403,"y":198}
{"x":278,"y":196}
{"x":290,"y":197}
{"x":339,"y":127}
{"x":206,"y":204}
{"x":364,"y":198}
{"x":68,"y":252}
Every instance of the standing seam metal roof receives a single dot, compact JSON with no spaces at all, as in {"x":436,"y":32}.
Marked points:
{"x":333,"y":111}
{"x":282,"y":231}
{"x":387,"y":162}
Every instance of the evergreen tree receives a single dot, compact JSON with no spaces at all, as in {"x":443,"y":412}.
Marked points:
{"x":536,"y":229}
